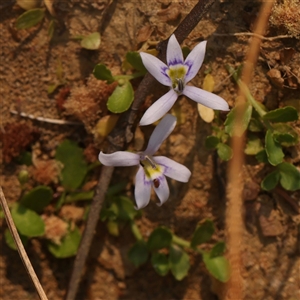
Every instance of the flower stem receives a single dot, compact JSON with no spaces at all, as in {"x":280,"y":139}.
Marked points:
{"x":181,"y":242}
{"x":129,"y":77}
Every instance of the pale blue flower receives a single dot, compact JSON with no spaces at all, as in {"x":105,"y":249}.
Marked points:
{"x":152,"y":169}
{"x":176,"y":75}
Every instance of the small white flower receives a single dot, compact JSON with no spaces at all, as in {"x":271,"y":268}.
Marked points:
{"x":152,"y":169}
{"x":176,"y":75}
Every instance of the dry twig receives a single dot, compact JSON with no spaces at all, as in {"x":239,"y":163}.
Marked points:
{"x":233,"y":289}
{"x":46,"y":120}
{"x":20,"y":247}
{"x":266,"y":38}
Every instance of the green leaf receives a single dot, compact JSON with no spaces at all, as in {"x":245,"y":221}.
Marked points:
{"x":10,"y":240}
{"x":217,"y":250}
{"x":270,"y":181}
{"x":121,"y":98}
{"x":273,"y":149}
{"x":224,"y":151}
{"x":75,"y":167}
{"x":285,"y":135}
{"x":285,"y":114}
{"x":160,"y":263}
{"x":218,"y":267}
{"x":159,"y":238}
{"x":38,"y":198}
{"x":69,"y":245}
{"x":101,"y":72}
{"x":113,"y":227}
{"x":126,"y":210}
{"x":74,"y":197}
{"x":212,"y":142}
{"x":230,"y":120}
{"x":30,"y":18}
{"x":179,"y":262}
{"x":138,"y":254}
{"x":255,"y":125}
{"x":92,"y":41}
{"x":253,"y":145}
{"x":135,"y":60}
{"x":262,"y":156}
{"x":289,"y":176}
{"x":27,"y":221}
{"x":203,"y":233}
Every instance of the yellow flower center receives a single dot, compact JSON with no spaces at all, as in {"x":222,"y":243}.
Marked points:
{"x":177,"y":75}
{"x":152,"y":170}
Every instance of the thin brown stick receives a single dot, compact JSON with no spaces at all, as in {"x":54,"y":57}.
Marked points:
{"x":120,"y":137}
{"x":288,"y":199}
{"x":234,"y":289}
{"x":266,"y":38}
{"x":46,"y":120}
{"x":20,"y":247}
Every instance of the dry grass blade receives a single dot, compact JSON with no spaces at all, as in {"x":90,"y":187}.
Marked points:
{"x":20,"y":247}
{"x":234,"y":289}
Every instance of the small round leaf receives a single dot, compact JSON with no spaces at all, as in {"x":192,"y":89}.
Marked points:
{"x":273,"y":149}
{"x":224,"y":151}
{"x":160,"y":263}
{"x":121,"y":98}
{"x":27,"y":221}
{"x":270,"y":181}
{"x":10,"y":240}
{"x":138,"y":254}
{"x":253,"y":145}
{"x":68,"y":246}
{"x":159,"y":238}
{"x":92,"y":41}
{"x":289,"y":176}
{"x":75,"y":167}
{"x":203,"y":233}
{"x":212,"y":142}
{"x":38,"y":198}
{"x":179,"y":262}
{"x":218,"y":267}
{"x":101,"y":72}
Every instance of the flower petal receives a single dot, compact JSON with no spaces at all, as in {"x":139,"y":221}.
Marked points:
{"x":156,"y":68}
{"x":173,"y":169}
{"x":160,"y":133}
{"x":119,"y":159}
{"x":162,"y":191}
{"x":142,"y":191}
{"x":206,"y":98}
{"x":194,"y":61}
{"x":159,"y":108}
{"x":174,"y":52}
